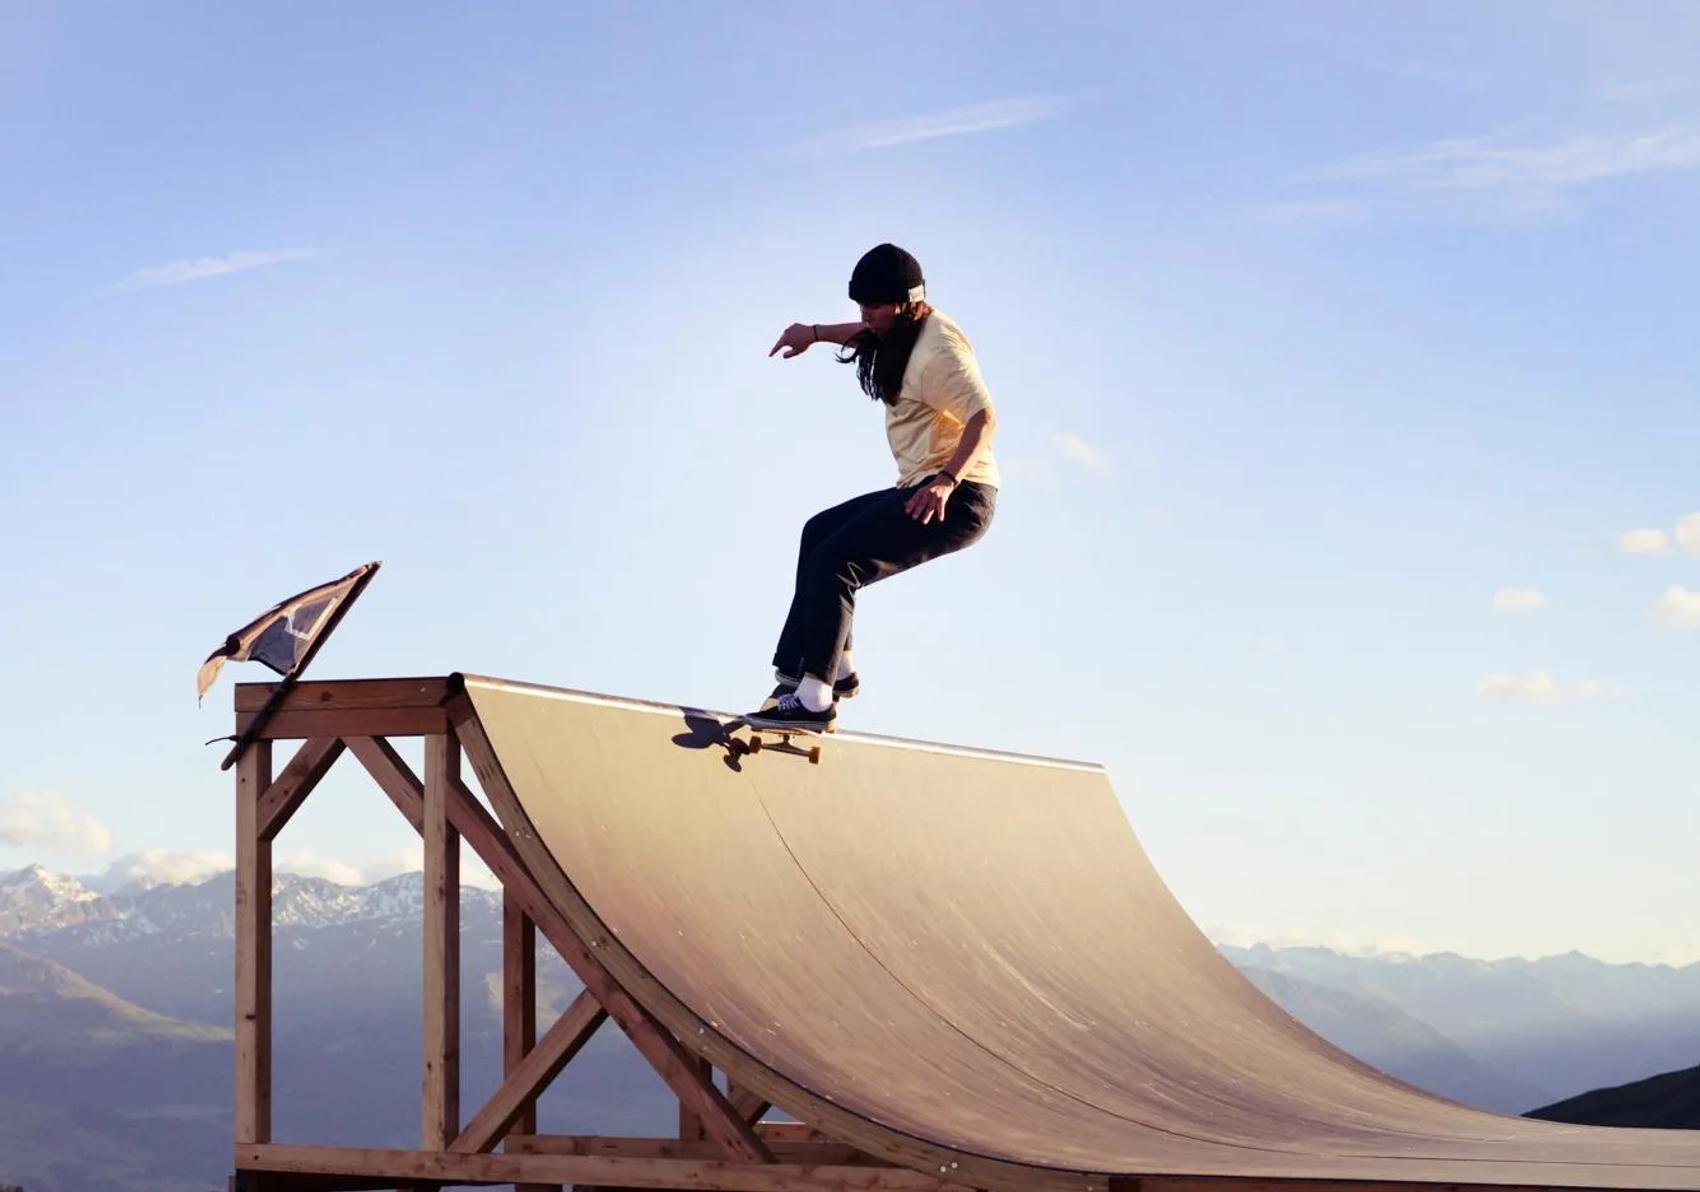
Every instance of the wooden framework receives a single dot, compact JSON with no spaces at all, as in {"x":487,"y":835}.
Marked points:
{"x":723,"y":1143}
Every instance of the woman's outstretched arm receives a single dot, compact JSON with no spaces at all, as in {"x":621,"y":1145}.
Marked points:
{"x":799,"y":337}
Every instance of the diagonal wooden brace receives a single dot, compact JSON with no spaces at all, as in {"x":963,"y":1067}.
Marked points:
{"x":290,"y":789}
{"x":749,"y":1106}
{"x":680,"y":1069}
{"x":541,"y":1065}
{"x":676,"y":1066}
{"x":393,"y":776}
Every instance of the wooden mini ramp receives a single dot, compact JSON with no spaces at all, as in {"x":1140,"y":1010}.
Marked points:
{"x":953,"y":967}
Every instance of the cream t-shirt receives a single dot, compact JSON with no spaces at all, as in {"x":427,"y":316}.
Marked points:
{"x":942,"y":390}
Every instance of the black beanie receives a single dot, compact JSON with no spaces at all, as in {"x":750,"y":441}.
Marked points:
{"x":886,"y":274}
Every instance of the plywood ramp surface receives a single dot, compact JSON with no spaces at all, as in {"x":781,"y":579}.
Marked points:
{"x":962,"y":957}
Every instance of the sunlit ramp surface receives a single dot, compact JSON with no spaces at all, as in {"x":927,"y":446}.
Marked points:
{"x":963,"y":962}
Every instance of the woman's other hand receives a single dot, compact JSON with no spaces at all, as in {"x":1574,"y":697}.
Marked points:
{"x":926,"y":504}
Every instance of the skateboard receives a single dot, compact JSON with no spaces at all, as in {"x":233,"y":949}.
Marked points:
{"x":779,"y":740}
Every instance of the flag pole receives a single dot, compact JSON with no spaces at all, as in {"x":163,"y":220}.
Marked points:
{"x":287,"y":684}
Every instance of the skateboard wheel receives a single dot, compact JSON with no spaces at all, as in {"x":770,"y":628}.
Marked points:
{"x":814,"y":756}
{"x":755,"y":744}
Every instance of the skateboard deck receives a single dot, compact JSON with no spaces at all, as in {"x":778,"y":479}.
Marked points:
{"x":780,"y":740}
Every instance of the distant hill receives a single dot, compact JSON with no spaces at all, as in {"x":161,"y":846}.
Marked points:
{"x":96,"y":1092}
{"x":1668,"y":1102}
{"x":115,"y":1008}
{"x":1385,"y":1036}
{"x":1552,"y":1027}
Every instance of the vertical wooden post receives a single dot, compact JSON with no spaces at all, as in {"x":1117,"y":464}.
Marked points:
{"x":690,"y":1121}
{"x":442,"y":947}
{"x":253,"y":950}
{"x":519,"y":996}
{"x":519,"y":1007}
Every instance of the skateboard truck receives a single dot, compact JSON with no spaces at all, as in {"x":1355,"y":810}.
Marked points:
{"x":784,"y":744}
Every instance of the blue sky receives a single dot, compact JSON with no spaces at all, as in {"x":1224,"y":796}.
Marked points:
{"x":1316,"y":333}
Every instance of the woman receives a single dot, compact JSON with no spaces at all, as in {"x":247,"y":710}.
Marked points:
{"x":939,"y":421}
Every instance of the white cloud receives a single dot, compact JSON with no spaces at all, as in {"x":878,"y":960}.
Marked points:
{"x":164,"y":867}
{"x":1081,"y":452}
{"x":1541,"y":688}
{"x":307,"y":863}
{"x":50,"y":821}
{"x":1644,"y":542}
{"x":1518,"y":600}
{"x":981,"y":117}
{"x":1688,"y":533}
{"x":410,"y":858}
{"x":201,"y":268}
{"x":1681,"y":955}
{"x":1678,"y":607}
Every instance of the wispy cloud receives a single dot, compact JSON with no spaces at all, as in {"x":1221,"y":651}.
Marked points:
{"x":1515,"y":179}
{"x":1474,"y":164}
{"x":1679,"y":607}
{"x":1078,"y":450}
{"x":201,"y":268}
{"x":1541,"y":688}
{"x":1644,"y":542}
{"x":1642,"y":90}
{"x":975,"y":118}
{"x":1519,"y":600}
{"x":50,"y":821}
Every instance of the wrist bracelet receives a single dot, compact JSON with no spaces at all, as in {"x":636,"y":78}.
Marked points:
{"x":815,"y":328}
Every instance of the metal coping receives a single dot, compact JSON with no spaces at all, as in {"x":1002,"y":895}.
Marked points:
{"x":460,"y":680}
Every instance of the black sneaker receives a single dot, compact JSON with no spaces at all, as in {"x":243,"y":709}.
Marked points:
{"x":846,"y":688}
{"x":788,"y":712}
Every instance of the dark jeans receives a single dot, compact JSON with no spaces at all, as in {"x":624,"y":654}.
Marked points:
{"x":850,"y":546}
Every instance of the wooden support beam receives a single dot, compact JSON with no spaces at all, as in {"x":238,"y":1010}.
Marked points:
{"x":291,"y":788}
{"x":708,"y":1175}
{"x":671,"y":1062}
{"x":393,"y":776}
{"x":553,"y":1052}
{"x":690,"y":1121}
{"x":341,"y":695}
{"x":442,"y":946}
{"x":519,"y":998}
{"x":748,"y":1105}
{"x":790,"y":1132}
{"x":833,"y":1153}
{"x":354,"y":722}
{"x":479,"y":828}
{"x":519,"y":1011}
{"x":253,"y":983}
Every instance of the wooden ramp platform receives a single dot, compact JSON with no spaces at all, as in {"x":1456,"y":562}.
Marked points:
{"x":955,"y":968}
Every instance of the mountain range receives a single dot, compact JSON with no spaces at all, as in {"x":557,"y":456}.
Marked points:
{"x":115,"y":1043}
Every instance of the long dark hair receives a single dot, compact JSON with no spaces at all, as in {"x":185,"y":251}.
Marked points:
{"x":880,"y":363}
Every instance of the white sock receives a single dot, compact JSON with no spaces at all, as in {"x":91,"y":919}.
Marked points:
{"x":816,"y":694}
{"x":846,"y":668}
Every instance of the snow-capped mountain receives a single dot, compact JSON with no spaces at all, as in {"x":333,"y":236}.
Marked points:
{"x":35,"y":899}
{"x":35,"y":902}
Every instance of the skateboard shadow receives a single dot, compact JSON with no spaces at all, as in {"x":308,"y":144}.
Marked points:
{"x":703,"y":731}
